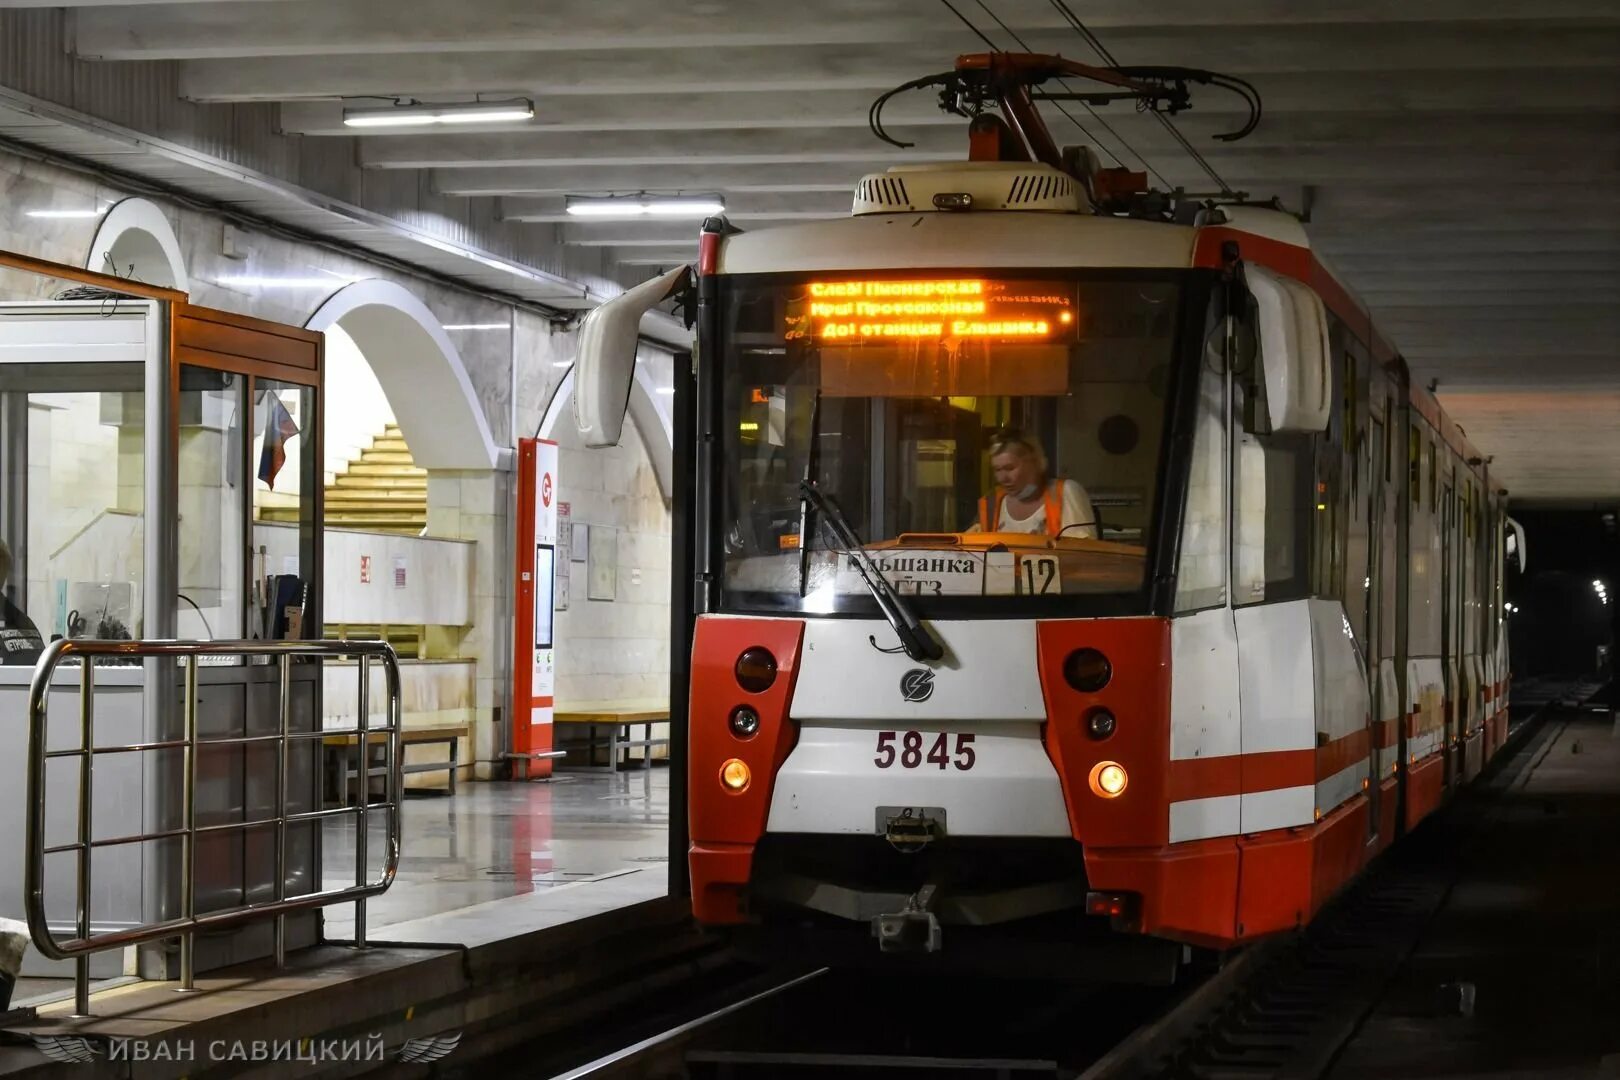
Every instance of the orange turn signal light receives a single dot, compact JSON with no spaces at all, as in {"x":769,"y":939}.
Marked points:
{"x":1108,"y":779}
{"x":734,"y":775}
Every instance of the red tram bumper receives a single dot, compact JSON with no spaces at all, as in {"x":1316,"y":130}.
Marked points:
{"x":1214,"y":892}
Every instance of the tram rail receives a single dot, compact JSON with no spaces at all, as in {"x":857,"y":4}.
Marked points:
{"x":1284,"y":1006}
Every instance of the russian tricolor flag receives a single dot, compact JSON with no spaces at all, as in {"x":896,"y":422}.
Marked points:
{"x":278,"y":428}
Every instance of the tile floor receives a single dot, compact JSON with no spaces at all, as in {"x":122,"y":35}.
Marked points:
{"x":492,"y":841}
{"x":578,"y":845}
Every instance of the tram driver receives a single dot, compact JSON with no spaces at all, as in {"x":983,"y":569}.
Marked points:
{"x":1026,"y":499}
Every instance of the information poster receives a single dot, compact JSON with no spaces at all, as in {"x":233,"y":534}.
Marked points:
{"x":565,"y":537}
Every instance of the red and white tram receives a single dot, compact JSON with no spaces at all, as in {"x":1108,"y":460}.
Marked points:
{"x":1275,"y":646}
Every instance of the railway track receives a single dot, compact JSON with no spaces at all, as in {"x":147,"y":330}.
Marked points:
{"x":1287,"y":1008}
{"x":1282,"y":1008}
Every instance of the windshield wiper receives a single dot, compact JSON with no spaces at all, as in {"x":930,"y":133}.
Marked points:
{"x":812,"y":465}
{"x":914,"y":636}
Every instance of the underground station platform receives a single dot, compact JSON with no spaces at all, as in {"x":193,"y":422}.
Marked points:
{"x":1490,"y":954}
{"x":1019,"y":538}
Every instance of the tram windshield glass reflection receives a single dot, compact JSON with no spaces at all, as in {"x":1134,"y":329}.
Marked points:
{"x":898,"y":397}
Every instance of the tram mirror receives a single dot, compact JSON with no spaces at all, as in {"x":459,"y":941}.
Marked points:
{"x":606,"y":363}
{"x":1244,"y":351}
{"x":1292,"y":331}
{"x":1514,"y":544}
{"x":1246,"y":338}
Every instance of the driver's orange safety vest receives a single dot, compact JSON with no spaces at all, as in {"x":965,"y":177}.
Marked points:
{"x":990,"y":508}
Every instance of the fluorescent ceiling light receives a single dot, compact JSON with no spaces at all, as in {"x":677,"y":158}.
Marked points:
{"x":628,"y":206}
{"x":65,"y":213}
{"x":478,"y":326}
{"x":460,"y":112}
{"x":259,"y":281}
{"x":64,"y":345}
{"x":686,"y":207}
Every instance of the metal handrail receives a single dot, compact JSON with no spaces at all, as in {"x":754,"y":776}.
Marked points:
{"x":80,"y":948}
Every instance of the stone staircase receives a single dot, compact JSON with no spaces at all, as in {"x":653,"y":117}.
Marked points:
{"x":381,"y":491}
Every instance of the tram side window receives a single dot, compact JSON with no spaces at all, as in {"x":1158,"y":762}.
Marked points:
{"x":1414,"y":459}
{"x":1272,"y":503}
{"x":1201,"y":567}
{"x":1434,"y":483}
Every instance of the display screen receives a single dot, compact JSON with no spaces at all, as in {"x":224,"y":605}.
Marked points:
{"x":545,"y":587}
{"x":960,"y":309}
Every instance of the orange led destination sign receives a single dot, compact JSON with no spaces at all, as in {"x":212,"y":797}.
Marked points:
{"x":853,"y":311}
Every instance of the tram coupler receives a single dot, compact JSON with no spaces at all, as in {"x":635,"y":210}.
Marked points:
{"x":912,"y":828}
{"x":914,"y":928}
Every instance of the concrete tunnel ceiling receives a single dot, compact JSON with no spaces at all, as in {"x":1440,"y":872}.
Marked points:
{"x":1460,"y":158}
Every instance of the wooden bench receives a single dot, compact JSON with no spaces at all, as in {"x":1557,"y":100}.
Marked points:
{"x":341,"y":746}
{"x":618,"y":718}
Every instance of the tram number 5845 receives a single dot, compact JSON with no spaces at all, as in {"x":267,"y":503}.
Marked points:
{"x":906,"y":748}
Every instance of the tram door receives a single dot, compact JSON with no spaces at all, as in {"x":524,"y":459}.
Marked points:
{"x":1377,"y":451}
{"x":1448,"y":637}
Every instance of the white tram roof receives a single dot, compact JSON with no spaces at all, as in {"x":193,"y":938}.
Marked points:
{"x":976,"y":239}
{"x":997,"y":235}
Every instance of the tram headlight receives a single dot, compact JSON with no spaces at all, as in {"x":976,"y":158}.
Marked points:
{"x":1108,"y":779}
{"x":756,"y":669}
{"x":734,"y":776}
{"x":744,"y":722}
{"x":1087,"y":670}
{"x":1100,"y":723}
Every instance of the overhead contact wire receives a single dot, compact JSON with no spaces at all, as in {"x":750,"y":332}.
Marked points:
{"x":997,"y":48}
{"x":1101,"y":50}
{"x":1133,"y":151}
{"x":969,"y":24}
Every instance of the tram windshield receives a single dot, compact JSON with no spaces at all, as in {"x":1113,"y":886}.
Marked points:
{"x":992,"y":441}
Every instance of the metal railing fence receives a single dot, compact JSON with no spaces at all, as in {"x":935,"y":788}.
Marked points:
{"x":85,"y":943}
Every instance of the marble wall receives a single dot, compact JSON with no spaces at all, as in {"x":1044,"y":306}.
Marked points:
{"x":437,"y":590}
{"x":514,"y":359}
{"x":606,"y":649}
{"x":541,"y":353}
{"x":433,"y":693}
{"x":619,"y":648}
{"x":477,"y":506}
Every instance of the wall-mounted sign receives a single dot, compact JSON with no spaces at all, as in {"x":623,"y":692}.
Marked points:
{"x":399,"y":571}
{"x":365,"y":569}
{"x":565,"y":537}
{"x":601,"y":573}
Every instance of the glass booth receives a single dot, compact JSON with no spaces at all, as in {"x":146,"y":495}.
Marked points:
{"x":159,"y":478}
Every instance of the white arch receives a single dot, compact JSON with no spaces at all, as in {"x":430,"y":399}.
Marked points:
{"x":136,"y":240}
{"x":420,"y":371}
{"x":648,"y":409}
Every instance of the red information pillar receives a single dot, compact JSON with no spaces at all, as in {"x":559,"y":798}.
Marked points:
{"x":534,"y":665}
